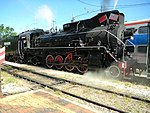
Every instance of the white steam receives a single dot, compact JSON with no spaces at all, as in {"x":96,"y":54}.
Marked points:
{"x":115,"y":4}
{"x":45,"y":13}
{"x":107,"y":3}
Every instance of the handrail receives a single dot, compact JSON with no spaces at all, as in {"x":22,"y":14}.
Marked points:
{"x":119,"y":41}
{"x":114,"y":36}
{"x":77,"y":26}
{"x":131,"y":43}
{"x":93,"y":31}
{"x":105,"y":31}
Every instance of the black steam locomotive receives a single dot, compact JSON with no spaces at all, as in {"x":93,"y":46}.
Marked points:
{"x":98,"y":42}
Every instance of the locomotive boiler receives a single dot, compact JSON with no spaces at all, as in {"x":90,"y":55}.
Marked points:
{"x":97,"y":42}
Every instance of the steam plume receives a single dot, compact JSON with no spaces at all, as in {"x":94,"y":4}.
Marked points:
{"x":115,"y":4}
{"x":105,"y":4}
{"x":45,"y":13}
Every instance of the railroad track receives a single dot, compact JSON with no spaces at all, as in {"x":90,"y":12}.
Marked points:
{"x":82,"y":84}
{"x":68,"y":87}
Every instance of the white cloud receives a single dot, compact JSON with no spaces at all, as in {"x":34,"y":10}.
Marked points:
{"x":45,"y":13}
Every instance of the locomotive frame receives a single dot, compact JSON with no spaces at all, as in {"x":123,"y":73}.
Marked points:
{"x":69,"y":53}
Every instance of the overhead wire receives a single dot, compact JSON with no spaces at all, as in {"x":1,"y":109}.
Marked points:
{"x":88,"y":3}
{"x":118,"y":7}
{"x":121,"y":6}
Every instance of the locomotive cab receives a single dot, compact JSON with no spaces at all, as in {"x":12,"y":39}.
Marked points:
{"x":27,"y":40}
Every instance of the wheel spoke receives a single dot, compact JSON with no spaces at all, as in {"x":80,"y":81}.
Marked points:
{"x":114,"y":71}
{"x":49,"y":61}
{"x":83,"y":68}
{"x":59,"y":60}
{"x":83,"y":65}
{"x":35,"y":60}
{"x":69,"y":66}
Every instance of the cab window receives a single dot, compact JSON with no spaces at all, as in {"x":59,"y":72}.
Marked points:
{"x":142,"y":49}
{"x":143,"y":29}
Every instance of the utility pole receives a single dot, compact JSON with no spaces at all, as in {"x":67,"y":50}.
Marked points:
{"x":73,"y":18}
{"x":53,"y":26}
{"x":35,"y":22}
{"x":1,"y":94}
{"x":101,"y":8}
{"x":2,"y":55}
{"x":53,"y":23}
{"x":148,"y":50}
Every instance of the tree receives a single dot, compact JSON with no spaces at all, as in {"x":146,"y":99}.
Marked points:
{"x":6,"y":31}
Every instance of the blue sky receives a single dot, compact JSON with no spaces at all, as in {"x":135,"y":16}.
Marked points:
{"x":28,"y":14}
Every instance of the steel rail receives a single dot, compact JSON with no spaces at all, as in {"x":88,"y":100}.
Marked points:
{"x":81,"y":84}
{"x":70,"y":94}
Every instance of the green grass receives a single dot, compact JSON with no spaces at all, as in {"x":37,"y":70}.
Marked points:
{"x":10,"y":80}
{"x":128,"y":84}
{"x":7,"y":78}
